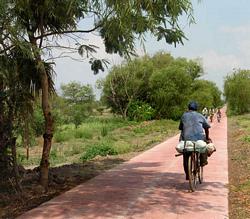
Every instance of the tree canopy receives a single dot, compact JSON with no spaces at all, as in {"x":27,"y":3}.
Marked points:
{"x":237,"y":91}
{"x":162,"y":82}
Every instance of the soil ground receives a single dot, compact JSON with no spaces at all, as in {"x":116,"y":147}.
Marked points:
{"x":62,"y":179}
{"x":239,"y":167}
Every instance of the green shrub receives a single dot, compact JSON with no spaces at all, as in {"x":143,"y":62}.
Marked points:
{"x":140,"y":111}
{"x":101,"y":149}
{"x":175,"y":113}
{"x":38,"y":121}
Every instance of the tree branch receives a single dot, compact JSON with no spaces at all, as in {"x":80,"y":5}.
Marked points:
{"x":68,"y":31}
{"x":66,"y":56}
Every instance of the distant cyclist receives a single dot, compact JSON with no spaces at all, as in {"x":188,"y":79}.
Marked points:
{"x":211,"y":114}
{"x":218,"y":115}
{"x":192,"y":126}
{"x":205,"y":112}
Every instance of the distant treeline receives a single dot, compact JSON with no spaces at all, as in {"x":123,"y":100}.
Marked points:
{"x":157,"y":87}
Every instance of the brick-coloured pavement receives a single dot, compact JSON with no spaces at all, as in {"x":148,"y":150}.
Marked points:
{"x":149,"y":186}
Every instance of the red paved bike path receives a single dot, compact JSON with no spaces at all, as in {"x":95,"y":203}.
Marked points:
{"x":149,"y":186}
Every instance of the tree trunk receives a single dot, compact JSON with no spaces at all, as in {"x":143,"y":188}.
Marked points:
{"x":48,"y":135}
{"x":44,"y":164}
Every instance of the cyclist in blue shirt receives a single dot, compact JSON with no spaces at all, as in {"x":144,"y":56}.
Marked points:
{"x":192,"y":126}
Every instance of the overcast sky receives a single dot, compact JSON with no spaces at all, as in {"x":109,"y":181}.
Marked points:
{"x":220,"y":38}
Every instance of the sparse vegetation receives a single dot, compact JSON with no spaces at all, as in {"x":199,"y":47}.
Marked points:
{"x":100,"y":136}
{"x":239,"y":166}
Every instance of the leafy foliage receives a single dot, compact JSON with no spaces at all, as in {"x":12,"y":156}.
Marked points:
{"x":138,"y":17}
{"x":162,"y":82}
{"x":206,"y":93}
{"x":78,"y":102}
{"x":75,"y":92}
{"x":38,"y":121}
{"x":237,"y":91}
{"x":170,"y":91}
{"x":140,"y":111}
{"x":126,"y":83}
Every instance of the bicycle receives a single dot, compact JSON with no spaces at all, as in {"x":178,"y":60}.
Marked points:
{"x":218,"y":115}
{"x":194,"y":168}
{"x":218,"y":118}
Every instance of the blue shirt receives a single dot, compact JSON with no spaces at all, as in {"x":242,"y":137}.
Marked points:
{"x":192,"y":125}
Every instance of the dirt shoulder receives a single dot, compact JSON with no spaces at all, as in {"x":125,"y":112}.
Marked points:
{"x":62,"y":179}
{"x":239,"y":166}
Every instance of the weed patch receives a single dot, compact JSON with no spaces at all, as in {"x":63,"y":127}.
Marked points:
{"x":246,"y":138}
{"x":101,"y":149}
{"x":239,"y":168}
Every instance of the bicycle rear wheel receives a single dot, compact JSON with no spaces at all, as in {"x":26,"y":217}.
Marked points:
{"x":192,"y":171}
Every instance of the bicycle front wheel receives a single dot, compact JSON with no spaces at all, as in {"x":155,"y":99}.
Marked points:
{"x":192,"y":172}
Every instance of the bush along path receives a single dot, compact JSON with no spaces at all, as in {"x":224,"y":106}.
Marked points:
{"x":151,"y":185}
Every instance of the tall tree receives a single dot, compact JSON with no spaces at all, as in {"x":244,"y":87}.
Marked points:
{"x":119,"y":23}
{"x":237,"y":91}
{"x":75,"y":92}
{"x":170,"y":88}
{"x":161,"y":81}
{"x":80,"y":100}
{"x":127,"y":83}
{"x":206,"y":93}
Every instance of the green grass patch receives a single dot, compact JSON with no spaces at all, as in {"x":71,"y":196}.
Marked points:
{"x":246,"y":139}
{"x":86,"y":133}
{"x":122,"y":147}
{"x":244,"y":186}
{"x":100,"y":137}
{"x":101,"y":149}
{"x":63,"y":136}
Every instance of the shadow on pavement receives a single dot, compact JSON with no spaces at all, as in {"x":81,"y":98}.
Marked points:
{"x":128,"y":190}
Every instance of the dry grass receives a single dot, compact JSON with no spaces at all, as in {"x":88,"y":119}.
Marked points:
{"x":239,"y":166}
